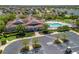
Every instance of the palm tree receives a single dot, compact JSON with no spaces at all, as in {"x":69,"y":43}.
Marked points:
{"x":25,"y":48}
{"x":45,"y":29}
{"x":77,"y":23}
{"x":58,"y":39}
{"x":35,"y":42}
{"x":11,"y":16}
{"x":2,"y":26}
{"x":64,"y":37}
{"x":1,"y":51}
{"x":61,"y":38}
{"x":36,"y":45}
{"x":25,"y":42}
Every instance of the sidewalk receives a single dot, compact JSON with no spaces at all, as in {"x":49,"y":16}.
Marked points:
{"x":37,"y":34}
{"x":74,"y":32}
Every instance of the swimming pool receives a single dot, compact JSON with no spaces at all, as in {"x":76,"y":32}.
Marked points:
{"x":55,"y":25}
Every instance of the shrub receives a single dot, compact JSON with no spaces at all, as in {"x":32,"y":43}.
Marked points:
{"x":3,"y":42}
{"x":63,"y":28}
{"x":25,"y":49}
{"x":36,"y":46}
{"x":2,"y":26}
{"x":51,"y":31}
{"x":25,"y":42}
{"x":48,"y":31}
{"x":77,"y":22}
{"x":45,"y":27}
{"x":63,"y":37}
{"x":28,"y":34}
{"x":5,"y":35}
{"x":57,"y":41}
{"x":45,"y":31}
{"x":75,"y":29}
{"x":20,"y":34}
{"x":65,"y":40}
{"x":7,"y":17}
{"x":0,"y":51}
{"x":10,"y":16}
{"x":20,"y":30}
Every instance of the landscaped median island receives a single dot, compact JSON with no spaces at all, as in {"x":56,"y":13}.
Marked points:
{"x":61,"y":38}
{"x":30,"y":48}
{"x":39,"y":30}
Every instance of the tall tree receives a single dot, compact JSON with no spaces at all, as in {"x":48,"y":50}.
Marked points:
{"x":2,"y":26}
{"x":20,"y":29}
{"x":25,"y":42}
{"x":35,"y":41}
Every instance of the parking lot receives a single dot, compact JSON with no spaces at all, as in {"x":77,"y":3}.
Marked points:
{"x":48,"y":46}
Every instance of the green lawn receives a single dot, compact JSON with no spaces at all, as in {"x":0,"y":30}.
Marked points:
{"x":12,"y":36}
{"x":29,"y":34}
{"x":75,"y":29}
{"x":8,"y":38}
{"x":66,"y":20}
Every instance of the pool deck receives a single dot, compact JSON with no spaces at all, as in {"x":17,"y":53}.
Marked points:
{"x":58,"y":22}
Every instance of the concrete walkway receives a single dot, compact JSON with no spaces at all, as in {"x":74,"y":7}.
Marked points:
{"x":74,"y":32}
{"x":37,"y":34}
